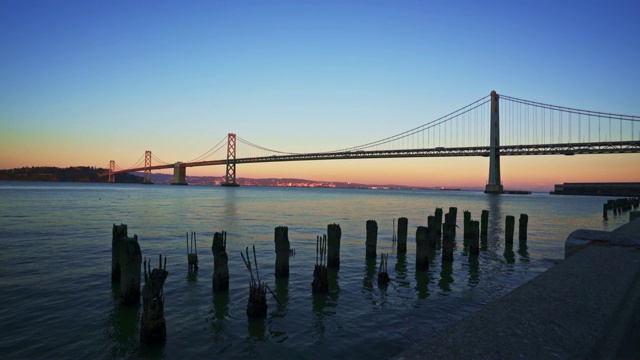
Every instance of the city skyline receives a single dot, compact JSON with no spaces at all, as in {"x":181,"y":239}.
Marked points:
{"x":85,"y":83}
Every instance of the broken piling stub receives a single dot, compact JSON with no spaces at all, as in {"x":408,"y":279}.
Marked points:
{"x":484,"y":224}
{"x":257,"y":304}
{"x":422,"y":251}
{"x":125,"y":264}
{"x":320,"y":282}
{"x":432,"y":232}
{"x":438,"y":224}
{"x":509,"y":227}
{"x":466,"y":219}
{"x":220,"y":279}
{"x":474,"y":237}
{"x":522,"y":229}
{"x":192,"y":253}
{"x":383,"y":274}
{"x":281,"y":238}
{"x":448,"y":241}
{"x":372,"y":238}
{"x":333,"y":245}
{"x":153,"y":328}
{"x":403,"y":224}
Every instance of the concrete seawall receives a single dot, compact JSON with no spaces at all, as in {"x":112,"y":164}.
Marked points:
{"x":588,"y":306}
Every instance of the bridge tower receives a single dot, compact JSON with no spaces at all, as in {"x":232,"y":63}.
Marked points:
{"x":112,"y":169}
{"x":147,"y":167}
{"x":231,"y":161}
{"x":494,"y":185}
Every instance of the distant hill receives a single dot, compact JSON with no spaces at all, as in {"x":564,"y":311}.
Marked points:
{"x":97,"y":175}
{"x":70,"y":174}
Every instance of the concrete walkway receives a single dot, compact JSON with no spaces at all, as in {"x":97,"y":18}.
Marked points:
{"x":588,"y":306}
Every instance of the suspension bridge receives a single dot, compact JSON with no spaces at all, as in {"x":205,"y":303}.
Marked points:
{"x":526,"y":128}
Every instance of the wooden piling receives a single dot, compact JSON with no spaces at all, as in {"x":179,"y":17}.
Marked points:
{"x":220,"y":279}
{"x":474,"y":237}
{"x":466,"y":220}
{"x":438,"y":215}
{"x":484,"y":223}
{"x":333,"y":245}
{"x":281,"y":240}
{"x":257,"y":303}
{"x":422,"y":251}
{"x":522,"y":229}
{"x":403,"y":224}
{"x":153,"y":328}
{"x":432,"y":232}
{"x":453,"y":214}
{"x":127,"y":260}
{"x":448,"y":236}
{"x":320,"y":282}
{"x":372,"y":238}
{"x":383,"y":275}
{"x":509,"y":228}
{"x":118,"y":233}
{"x":192,"y":253}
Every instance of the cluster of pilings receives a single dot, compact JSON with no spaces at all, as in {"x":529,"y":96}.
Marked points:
{"x":438,"y":234}
{"x":126,"y":259}
{"x":617,"y":206}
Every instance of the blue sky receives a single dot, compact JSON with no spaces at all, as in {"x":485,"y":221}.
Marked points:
{"x":88,"y":82}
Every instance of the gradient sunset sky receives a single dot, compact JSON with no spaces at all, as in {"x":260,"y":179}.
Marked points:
{"x":85,"y":82}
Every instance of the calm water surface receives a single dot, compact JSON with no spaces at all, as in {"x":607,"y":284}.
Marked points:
{"x":58,"y":301}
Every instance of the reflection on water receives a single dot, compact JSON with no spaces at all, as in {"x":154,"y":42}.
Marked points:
{"x":474,"y":270}
{"x":522,"y":251}
{"x":334,"y":287}
{"x":509,"y":255}
{"x":422,"y":283}
{"x":123,"y":333}
{"x":369,"y":274}
{"x":401,"y":270}
{"x":446,"y":276}
{"x":282,"y":293}
{"x":220,"y":309}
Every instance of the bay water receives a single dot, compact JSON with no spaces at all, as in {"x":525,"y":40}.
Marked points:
{"x":58,"y":301}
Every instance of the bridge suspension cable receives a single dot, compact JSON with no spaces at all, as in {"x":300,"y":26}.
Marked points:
{"x":158,"y":160}
{"x":248,"y":143}
{"x":217,"y":147}
{"x":430,"y":125}
{"x":531,"y":122}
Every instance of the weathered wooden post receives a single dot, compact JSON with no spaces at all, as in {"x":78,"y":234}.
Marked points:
{"x":438,"y":216}
{"x":220,"y":262}
{"x":118,"y":232}
{"x":432,"y":232}
{"x":282,"y":250}
{"x":383,"y":275}
{"x":372,"y":238}
{"x":320,"y":282}
{"x":453,"y":214}
{"x":403,"y":224}
{"x":484,"y":223}
{"x":522,"y":229}
{"x":257,"y":304}
{"x":474,"y":236}
{"x":192,"y":253}
{"x":153,"y":329}
{"x":509,"y":227}
{"x":604,"y":212}
{"x":467,"y":219}
{"x":333,"y":245}
{"x":448,"y":244}
{"x":128,"y":262}
{"x":422,"y":251}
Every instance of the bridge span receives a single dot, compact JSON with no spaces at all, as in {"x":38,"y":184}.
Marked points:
{"x":535,"y":125}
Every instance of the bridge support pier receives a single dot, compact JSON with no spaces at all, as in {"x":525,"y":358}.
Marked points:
{"x":179,"y":174}
{"x":494,"y":185}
